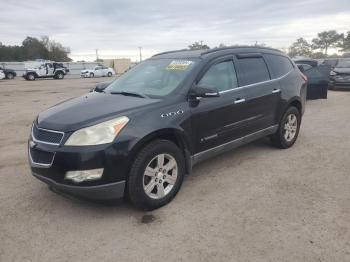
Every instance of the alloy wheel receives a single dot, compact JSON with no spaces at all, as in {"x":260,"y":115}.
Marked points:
{"x":160,"y":176}
{"x":290,"y":127}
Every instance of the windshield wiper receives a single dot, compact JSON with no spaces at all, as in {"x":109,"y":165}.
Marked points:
{"x":127,"y":93}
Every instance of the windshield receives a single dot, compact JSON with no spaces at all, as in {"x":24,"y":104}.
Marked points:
{"x":344,"y":63}
{"x":153,"y":78}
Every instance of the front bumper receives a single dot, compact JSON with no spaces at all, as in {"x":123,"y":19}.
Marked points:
{"x":50,"y":163}
{"x":100,"y":192}
{"x":340,"y":81}
{"x":85,"y":75}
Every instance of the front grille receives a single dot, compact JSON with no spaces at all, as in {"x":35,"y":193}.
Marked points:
{"x":47,"y":136}
{"x":41,"y":157}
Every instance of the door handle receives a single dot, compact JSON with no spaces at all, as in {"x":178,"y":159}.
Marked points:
{"x":276,"y":91}
{"x":239,"y":100}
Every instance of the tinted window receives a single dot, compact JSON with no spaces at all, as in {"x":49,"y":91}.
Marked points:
{"x":221,"y":76}
{"x":254,"y":70}
{"x":280,"y":65}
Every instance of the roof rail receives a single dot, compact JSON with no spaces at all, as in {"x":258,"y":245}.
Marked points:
{"x":234,"y":47}
{"x":169,"y":52}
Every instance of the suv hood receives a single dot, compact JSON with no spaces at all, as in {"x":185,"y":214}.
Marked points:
{"x":89,"y":109}
{"x":342,"y":70}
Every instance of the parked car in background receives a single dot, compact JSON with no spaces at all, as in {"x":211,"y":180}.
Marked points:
{"x":306,"y":61}
{"x":318,"y":77}
{"x":98,"y":71}
{"x":9,"y":73}
{"x":340,"y":75}
{"x":2,"y":74}
{"x":149,"y":127}
{"x":332,"y":62}
{"x":46,"y":70}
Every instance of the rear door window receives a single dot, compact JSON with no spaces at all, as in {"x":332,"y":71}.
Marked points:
{"x":279,"y":65}
{"x":252,"y":70}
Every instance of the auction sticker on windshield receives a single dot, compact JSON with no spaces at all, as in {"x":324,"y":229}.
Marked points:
{"x":179,"y":65}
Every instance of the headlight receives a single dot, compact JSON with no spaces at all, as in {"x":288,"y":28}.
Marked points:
{"x":332,"y":73}
{"x":102,"y":133}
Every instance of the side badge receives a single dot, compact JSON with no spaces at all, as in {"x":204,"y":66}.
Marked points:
{"x":179,"y":112}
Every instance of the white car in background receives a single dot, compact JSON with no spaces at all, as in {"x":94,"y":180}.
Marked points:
{"x":2,"y":74}
{"x":98,"y":71}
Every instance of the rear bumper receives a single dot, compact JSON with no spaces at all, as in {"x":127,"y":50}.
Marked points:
{"x":100,"y":192}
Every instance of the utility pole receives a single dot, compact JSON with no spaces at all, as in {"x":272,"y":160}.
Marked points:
{"x":96,"y":55}
{"x":140,"y":47}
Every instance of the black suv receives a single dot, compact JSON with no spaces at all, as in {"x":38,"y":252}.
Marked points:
{"x":142,"y":133}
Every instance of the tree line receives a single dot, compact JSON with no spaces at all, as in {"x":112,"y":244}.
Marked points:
{"x":318,"y":48}
{"x":33,"y":48}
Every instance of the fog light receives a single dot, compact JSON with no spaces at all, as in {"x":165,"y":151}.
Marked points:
{"x":84,"y":175}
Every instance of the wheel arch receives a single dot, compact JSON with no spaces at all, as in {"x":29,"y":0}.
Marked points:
{"x":296,"y":102}
{"x":171,"y":134}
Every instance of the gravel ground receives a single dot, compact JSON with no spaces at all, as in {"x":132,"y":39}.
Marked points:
{"x":256,"y":203}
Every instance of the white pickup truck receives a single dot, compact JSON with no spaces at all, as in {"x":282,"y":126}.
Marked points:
{"x":98,"y":71}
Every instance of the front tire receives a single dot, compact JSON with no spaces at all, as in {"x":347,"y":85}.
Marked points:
{"x":92,"y":75}
{"x":156,"y":175}
{"x":30,"y":77}
{"x":288,"y":129}
{"x":109,"y":74}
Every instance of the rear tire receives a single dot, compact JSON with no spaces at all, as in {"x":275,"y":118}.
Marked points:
{"x":156,"y":175}
{"x":10,"y":76}
{"x":288,"y":129}
{"x":59,"y":75}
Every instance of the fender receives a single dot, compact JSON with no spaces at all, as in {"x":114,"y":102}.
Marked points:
{"x":32,"y":72}
{"x":175,"y":135}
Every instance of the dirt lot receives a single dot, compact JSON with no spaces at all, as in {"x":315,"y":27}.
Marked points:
{"x":256,"y":203}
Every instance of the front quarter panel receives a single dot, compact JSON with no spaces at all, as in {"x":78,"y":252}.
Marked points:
{"x":145,"y":126}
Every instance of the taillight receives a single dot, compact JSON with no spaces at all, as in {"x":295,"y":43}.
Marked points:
{"x":304,"y":77}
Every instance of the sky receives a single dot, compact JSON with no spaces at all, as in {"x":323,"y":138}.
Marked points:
{"x":117,"y":28}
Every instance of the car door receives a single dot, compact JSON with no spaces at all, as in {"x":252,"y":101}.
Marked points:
{"x":262,"y":95}
{"x":217,"y":120}
{"x":42,"y":70}
{"x":98,"y":71}
{"x":50,"y":69}
{"x":317,"y":83}
{"x":105,"y":71}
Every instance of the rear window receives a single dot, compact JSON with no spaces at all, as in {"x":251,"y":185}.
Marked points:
{"x":254,"y":70}
{"x":280,"y":65}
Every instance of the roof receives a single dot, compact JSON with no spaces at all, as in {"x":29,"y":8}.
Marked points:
{"x":186,"y":53}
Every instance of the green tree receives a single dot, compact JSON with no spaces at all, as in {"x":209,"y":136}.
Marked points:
{"x":33,"y":48}
{"x":198,"y":45}
{"x":326,"y":40}
{"x":300,"y":48}
{"x":345,"y":43}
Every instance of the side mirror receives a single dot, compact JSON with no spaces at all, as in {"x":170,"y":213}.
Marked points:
{"x":101,"y":86}
{"x":200,"y":91}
